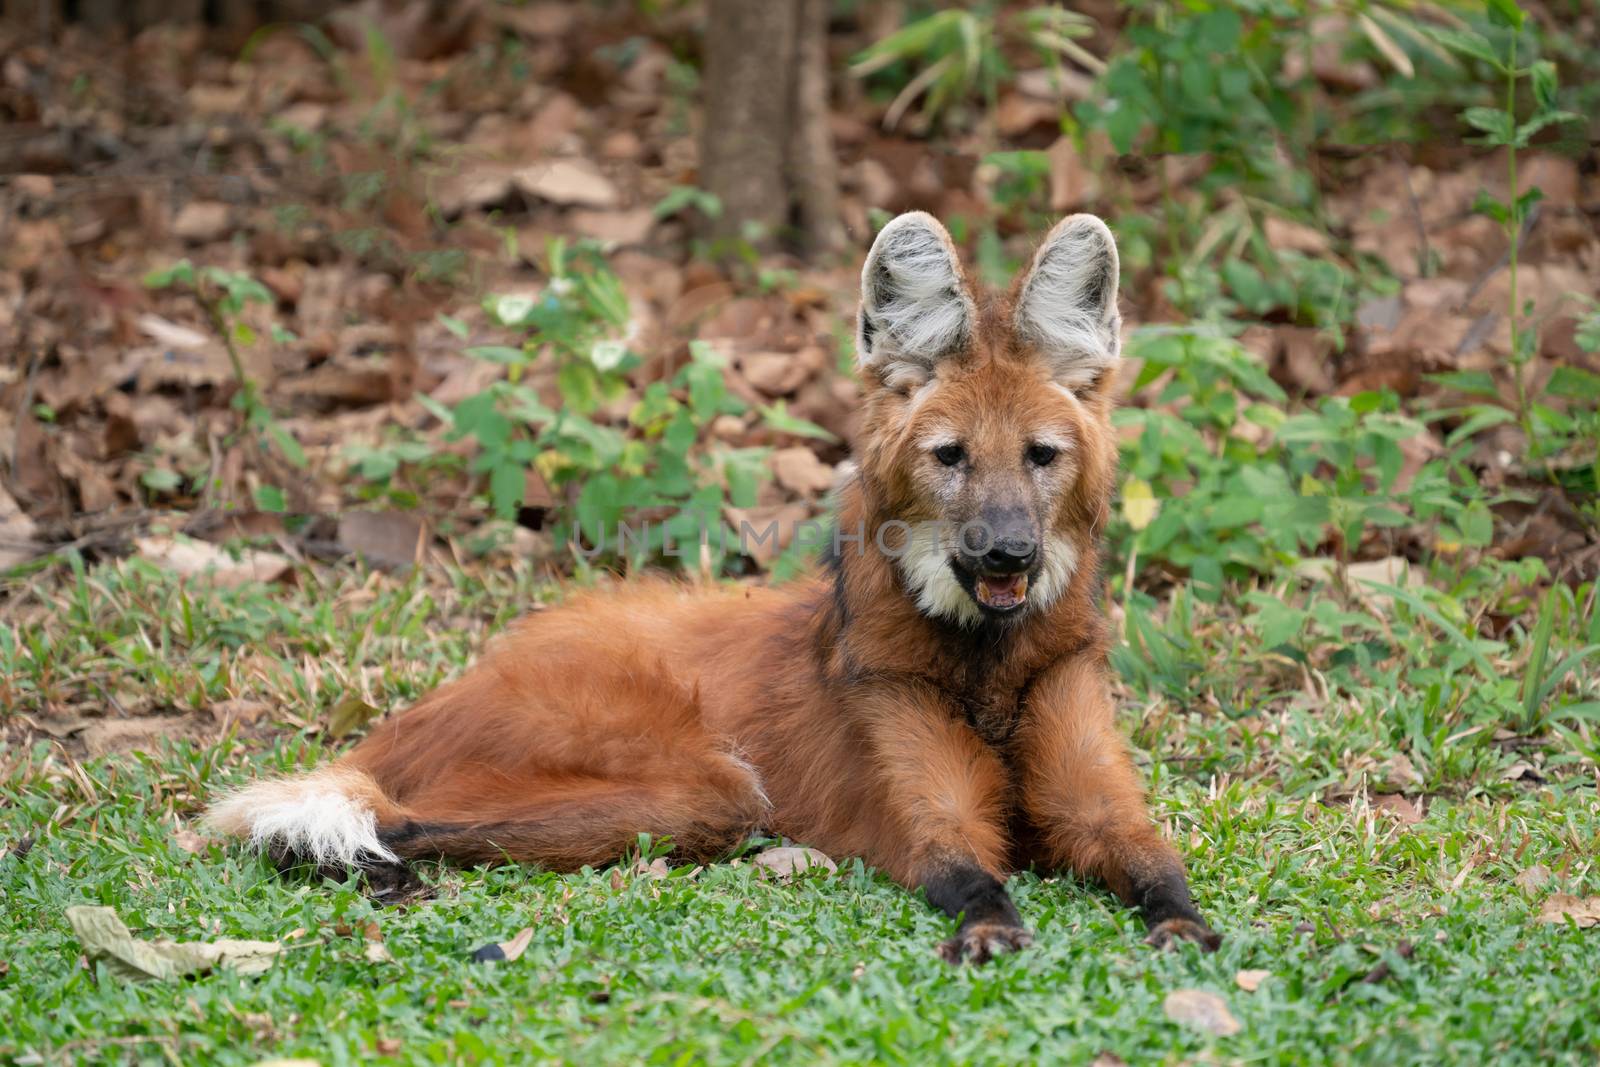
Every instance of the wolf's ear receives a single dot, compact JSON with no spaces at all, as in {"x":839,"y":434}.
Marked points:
{"x":1067,"y":305}
{"x":915,"y":307}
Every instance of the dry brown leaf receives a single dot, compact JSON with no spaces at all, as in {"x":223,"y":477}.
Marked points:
{"x":472,"y":189}
{"x":1398,"y":806}
{"x":16,"y":533}
{"x":1286,"y":235}
{"x":568,"y":183}
{"x":384,"y":539}
{"x":614,"y":227}
{"x":1521,"y":770}
{"x":201,"y":221}
{"x":190,"y":841}
{"x":1250,"y":981}
{"x":656,"y":869}
{"x":505,"y":951}
{"x":238,"y":710}
{"x":1532,"y":879}
{"x":774,"y":373}
{"x":788,"y":860}
{"x":105,"y":937}
{"x":105,"y":737}
{"x":1018,"y":113}
{"x":764,"y":532}
{"x":173,"y":335}
{"x":1585,"y":911}
{"x":1201,"y":1010}
{"x":799,"y":470}
{"x":197,"y":558}
{"x":539,"y":18}
{"x":349,"y":715}
{"x":1391,"y":570}
{"x":1073,"y":182}
{"x":1399,"y":771}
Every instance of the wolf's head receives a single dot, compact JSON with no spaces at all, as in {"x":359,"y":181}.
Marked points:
{"x":987,"y":422}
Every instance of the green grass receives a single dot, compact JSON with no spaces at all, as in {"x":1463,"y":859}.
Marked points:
{"x":1262,"y":777}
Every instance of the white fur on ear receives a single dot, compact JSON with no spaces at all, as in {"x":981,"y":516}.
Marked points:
{"x":915,"y":309}
{"x":1068,"y":303}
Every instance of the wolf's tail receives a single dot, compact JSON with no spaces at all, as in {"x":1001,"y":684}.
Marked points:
{"x":330,"y":815}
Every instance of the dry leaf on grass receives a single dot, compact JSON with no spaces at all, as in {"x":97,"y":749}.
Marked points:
{"x":1400,"y":773}
{"x":1585,"y":911}
{"x":239,"y":710}
{"x":1201,"y":1010}
{"x":1532,"y":879}
{"x":384,"y":538}
{"x":1522,"y":770}
{"x":505,"y":951}
{"x":349,"y":715}
{"x":656,"y":869}
{"x":1391,"y":570}
{"x":1398,"y":806}
{"x":788,"y":861}
{"x":190,"y":841}
{"x":105,"y":737}
{"x":1250,"y":981}
{"x":196,"y":558}
{"x":105,"y":937}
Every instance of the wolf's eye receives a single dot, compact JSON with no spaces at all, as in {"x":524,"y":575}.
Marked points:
{"x":949,"y":455}
{"x":1041,"y":455}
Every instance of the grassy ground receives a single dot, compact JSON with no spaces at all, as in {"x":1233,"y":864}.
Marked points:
{"x":1387,"y":940}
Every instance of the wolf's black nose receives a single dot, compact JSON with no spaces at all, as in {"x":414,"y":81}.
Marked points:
{"x":1008,"y":556}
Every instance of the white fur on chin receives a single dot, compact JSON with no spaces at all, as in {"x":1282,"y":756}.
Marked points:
{"x":925,"y":566}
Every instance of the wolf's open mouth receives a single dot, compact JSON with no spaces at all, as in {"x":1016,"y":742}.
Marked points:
{"x":1001,"y":591}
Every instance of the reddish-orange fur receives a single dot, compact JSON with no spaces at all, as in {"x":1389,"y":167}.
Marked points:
{"x":829,"y":709}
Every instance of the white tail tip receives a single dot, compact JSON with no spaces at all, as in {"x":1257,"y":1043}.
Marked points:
{"x":326,"y":816}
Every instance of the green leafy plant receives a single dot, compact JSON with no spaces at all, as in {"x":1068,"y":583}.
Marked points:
{"x":1222,"y":484}
{"x":1501,"y":128}
{"x":650,"y":469}
{"x":950,"y":57}
{"x":222,"y":294}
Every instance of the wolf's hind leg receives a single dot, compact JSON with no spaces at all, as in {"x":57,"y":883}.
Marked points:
{"x":568,"y":822}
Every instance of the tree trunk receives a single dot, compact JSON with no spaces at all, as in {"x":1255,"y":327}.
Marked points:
{"x":766,"y":151}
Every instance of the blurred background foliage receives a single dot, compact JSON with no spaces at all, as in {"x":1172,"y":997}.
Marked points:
{"x":404,"y":280}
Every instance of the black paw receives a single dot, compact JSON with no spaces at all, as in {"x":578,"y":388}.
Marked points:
{"x":981,"y":942}
{"x":1169,"y":932}
{"x":392,"y":884}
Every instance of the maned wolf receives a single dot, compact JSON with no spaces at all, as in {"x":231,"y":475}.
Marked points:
{"x":934,"y":700}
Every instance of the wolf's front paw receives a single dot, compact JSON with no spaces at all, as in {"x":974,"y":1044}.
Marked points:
{"x":1168,"y":932}
{"x":981,"y":942}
